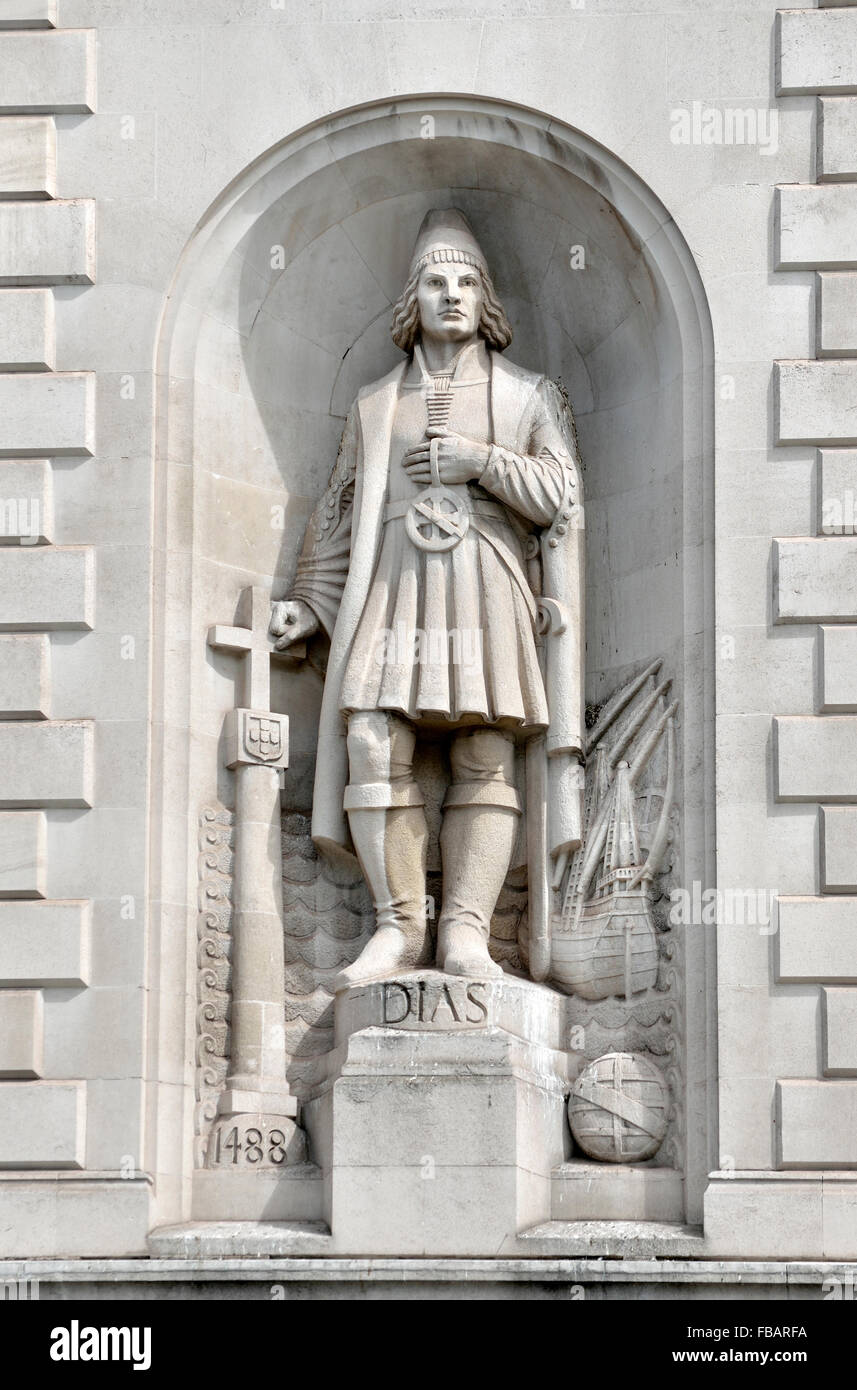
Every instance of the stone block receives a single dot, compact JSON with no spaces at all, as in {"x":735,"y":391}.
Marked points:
{"x":23,"y":836}
{"x":42,"y":1124}
{"x":814,"y":401}
{"x":47,"y":414}
{"x":28,"y":157}
{"x":836,"y":314}
{"x":836,"y":477}
{"x":837,"y":660}
{"x":24,"y":676}
{"x":21,"y":1035}
{"x":292,"y":1194}
{"x":47,"y":587}
{"x":839,"y":1216}
{"x":63,"y":1218}
{"x":816,"y":51}
{"x":462,"y":1209}
{"x":745,"y":1217}
{"x":815,"y":757}
{"x":44,"y":944}
{"x":28,"y":14}
{"x":27,"y":338}
{"x":838,"y":848}
{"x":817,"y":1123}
{"x":47,"y":764}
{"x":839,"y":1032}
{"x":837,"y":139}
{"x":813,"y":226}
{"x":75,"y":1029}
{"x":50,"y":73}
{"x":816,"y":941}
{"x":26,"y":502}
{"x":815,"y":579}
{"x":49,"y":243}
{"x":616,"y":1192}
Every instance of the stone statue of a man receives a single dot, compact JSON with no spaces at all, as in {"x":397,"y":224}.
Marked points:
{"x":444,"y":562}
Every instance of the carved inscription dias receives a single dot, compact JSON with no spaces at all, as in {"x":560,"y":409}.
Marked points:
{"x":441,"y":1004}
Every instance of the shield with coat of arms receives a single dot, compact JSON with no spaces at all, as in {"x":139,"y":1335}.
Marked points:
{"x":263,"y":738}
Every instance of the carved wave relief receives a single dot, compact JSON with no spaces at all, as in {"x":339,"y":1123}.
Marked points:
{"x":215,"y":862}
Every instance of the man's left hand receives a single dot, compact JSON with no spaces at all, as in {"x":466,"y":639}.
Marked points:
{"x":458,"y":459}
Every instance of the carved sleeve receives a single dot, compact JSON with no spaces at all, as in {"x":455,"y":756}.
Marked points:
{"x":544,"y":481}
{"x":323,"y":564}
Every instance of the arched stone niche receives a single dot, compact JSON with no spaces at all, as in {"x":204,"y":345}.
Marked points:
{"x":279,"y":311}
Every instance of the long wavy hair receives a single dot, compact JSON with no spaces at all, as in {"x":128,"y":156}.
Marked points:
{"x":494,"y":327}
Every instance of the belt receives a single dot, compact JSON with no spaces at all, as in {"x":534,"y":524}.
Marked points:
{"x":477,"y":510}
{"x":476,"y":506}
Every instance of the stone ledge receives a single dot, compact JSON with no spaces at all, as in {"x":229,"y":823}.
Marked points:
{"x":228,"y":1240}
{"x":252,"y":1278}
{"x":645,"y":1240}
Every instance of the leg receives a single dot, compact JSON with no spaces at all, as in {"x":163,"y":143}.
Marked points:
{"x":388,"y":827}
{"x":480,"y":824}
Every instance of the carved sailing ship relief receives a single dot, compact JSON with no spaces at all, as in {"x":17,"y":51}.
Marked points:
{"x":603,"y":941}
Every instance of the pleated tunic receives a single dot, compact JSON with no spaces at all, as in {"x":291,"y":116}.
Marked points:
{"x":448,"y":636}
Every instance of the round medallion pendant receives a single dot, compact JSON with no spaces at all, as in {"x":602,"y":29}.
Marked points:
{"x":436,"y":520}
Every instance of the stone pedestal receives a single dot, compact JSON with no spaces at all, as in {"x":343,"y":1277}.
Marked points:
{"x":444,"y":1117}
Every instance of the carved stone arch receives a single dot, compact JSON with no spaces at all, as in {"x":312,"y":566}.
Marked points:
{"x":278,"y":311}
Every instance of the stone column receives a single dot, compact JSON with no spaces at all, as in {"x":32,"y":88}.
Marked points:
{"x":256,"y":1125}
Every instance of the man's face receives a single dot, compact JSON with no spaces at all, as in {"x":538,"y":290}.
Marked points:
{"x":450,"y":300}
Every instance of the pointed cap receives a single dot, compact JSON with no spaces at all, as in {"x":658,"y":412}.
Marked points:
{"x":446,"y":235}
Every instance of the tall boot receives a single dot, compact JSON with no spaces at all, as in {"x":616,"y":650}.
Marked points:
{"x":391,"y":845}
{"x":476,"y":844}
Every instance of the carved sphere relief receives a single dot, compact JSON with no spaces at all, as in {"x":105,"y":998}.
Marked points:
{"x":618,"y":1108}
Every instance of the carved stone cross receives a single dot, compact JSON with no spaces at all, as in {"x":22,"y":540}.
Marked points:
{"x":256,"y":1108}
{"x":253,"y":733}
